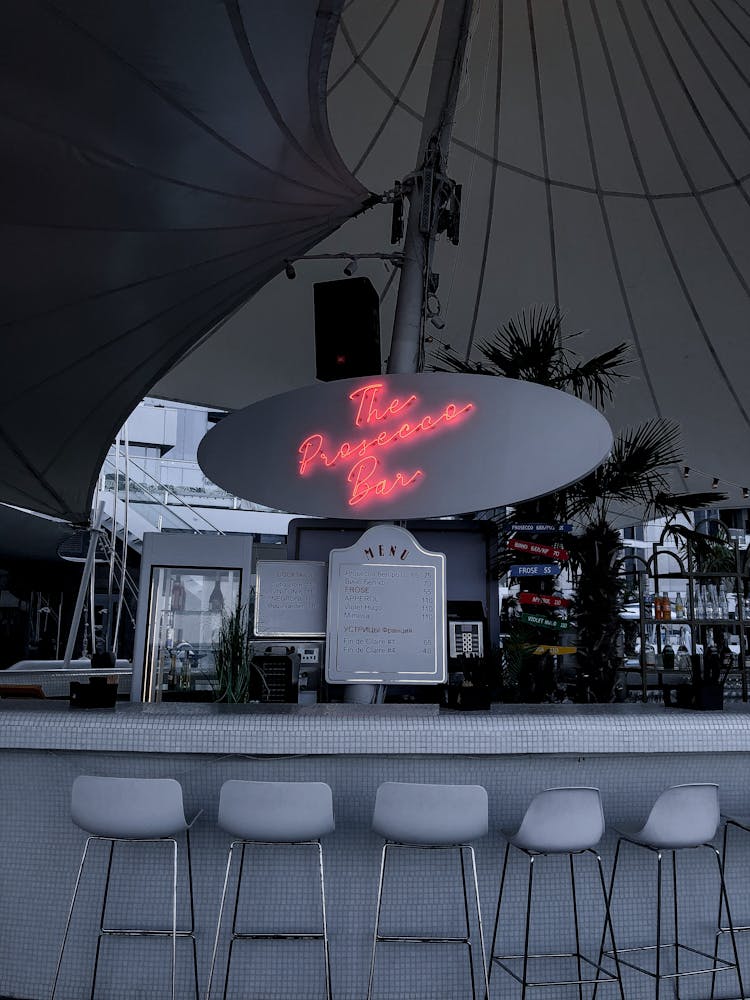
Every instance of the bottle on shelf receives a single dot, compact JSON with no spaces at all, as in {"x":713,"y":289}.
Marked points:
{"x":699,"y":610}
{"x":708,"y":611}
{"x":713,"y":598}
{"x":177,"y":597}
{"x":679,"y":607}
{"x":723,"y":603}
{"x":666,"y":607}
{"x":216,"y":600}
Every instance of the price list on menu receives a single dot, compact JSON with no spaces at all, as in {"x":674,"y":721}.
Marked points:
{"x":387,"y":618}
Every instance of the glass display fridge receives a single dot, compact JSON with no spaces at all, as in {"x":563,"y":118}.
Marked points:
{"x":187,"y":584}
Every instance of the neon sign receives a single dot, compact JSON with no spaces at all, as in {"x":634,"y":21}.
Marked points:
{"x":362,"y":455}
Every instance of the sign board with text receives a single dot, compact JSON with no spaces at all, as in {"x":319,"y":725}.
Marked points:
{"x":391,"y":447}
{"x":539,"y":526}
{"x":290,"y":598}
{"x":535,"y":569}
{"x":535,"y":549}
{"x":386,"y":611}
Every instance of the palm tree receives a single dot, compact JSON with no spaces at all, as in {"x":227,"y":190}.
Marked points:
{"x":532,"y":347}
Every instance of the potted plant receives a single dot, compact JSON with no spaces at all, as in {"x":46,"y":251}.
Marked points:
{"x":238,"y":680}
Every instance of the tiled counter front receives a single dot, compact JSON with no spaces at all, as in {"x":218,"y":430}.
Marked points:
{"x":631,"y":753}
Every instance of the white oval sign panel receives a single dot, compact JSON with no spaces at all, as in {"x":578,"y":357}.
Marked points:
{"x":405,"y":446}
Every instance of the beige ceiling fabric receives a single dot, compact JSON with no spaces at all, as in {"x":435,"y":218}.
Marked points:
{"x":159,"y":161}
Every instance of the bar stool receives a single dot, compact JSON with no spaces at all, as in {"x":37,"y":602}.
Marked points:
{"x":558,"y":821}
{"x":265,"y":814}
{"x":131,"y":810}
{"x":683,"y":817}
{"x":435,"y":818}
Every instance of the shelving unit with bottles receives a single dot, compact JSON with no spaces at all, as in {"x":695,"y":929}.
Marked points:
{"x":710,"y":611}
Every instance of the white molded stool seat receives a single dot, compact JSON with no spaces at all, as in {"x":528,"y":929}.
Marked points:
{"x":561,"y":821}
{"x":293,"y":814}
{"x":128,"y":808}
{"x":557,"y":821}
{"x":137,"y":810}
{"x":281,"y":812}
{"x":682,"y":817}
{"x":431,"y":817}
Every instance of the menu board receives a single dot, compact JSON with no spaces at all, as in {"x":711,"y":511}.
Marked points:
{"x":386,"y":611}
{"x":290,"y":598}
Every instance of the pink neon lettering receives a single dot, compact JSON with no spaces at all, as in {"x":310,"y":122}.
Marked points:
{"x":361,"y":478}
{"x":370,"y":409}
{"x":367,"y":396}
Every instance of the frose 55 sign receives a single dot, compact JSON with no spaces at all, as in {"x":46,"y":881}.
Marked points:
{"x":401,"y":446}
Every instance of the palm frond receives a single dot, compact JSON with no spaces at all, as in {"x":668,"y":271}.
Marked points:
{"x":531,"y":347}
{"x":634,"y":473}
{"x":596,"y":378}
{"x":683,"y":503}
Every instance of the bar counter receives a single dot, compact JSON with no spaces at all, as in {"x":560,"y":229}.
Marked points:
{"x":630,"y":752}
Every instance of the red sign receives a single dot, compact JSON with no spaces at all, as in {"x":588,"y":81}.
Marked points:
{"x":361,"y":456}
{"x":548,"y":600}
{"x":535,"y":549}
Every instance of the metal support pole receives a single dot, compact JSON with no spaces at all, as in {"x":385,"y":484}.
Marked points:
{"x":88,"y":567}
{"x":406,"y":344}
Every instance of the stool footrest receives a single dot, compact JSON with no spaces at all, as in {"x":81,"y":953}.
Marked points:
{"x":604,"y":975}
{"x":279,"y":936}
{"x":422,"y":939}
{"x":720,"y":964}
{"x":126,"y":932}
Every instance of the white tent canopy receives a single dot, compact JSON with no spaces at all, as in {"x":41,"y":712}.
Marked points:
{"x":158,"y":162}
{"x":162,"y":162}
{"x":604,"y":153}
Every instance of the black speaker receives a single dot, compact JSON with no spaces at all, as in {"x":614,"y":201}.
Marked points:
{"x":347,"y":329}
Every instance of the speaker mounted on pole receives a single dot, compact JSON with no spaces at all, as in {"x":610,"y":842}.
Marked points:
{"x":347,"y":329}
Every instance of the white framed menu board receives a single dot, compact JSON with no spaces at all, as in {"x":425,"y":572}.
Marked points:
{"x":386,"y":611}
{"x":290,"y":598}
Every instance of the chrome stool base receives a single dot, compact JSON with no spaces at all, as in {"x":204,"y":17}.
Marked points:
{"x":236,"y":935}
{"x":602,"y":974}
{"x":174,"y":933}
{"x":675,"y":948}
{"x":464,"y":940}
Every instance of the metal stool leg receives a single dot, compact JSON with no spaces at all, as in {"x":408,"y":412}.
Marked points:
{"x":607,"y":926}
{"x":608,"y":919}
{"x":233,"y":933}
{"x":497,"y":911}
{"x":466,"y":919}
{"x":480,"y":928}
{"x":527,"y":932}
{"x":675,"y":900}
{"x":69,"y":917}
{"x":658,"y":923}
{"x":731,"y":929}
{"x":101,"y":917}
{"x":174,"y":919}
{"x":377,"y":920}
{"x":218,"y":923}
{"x":329,"y":994}
{"x":191,"y":898}
{"x":575,"y":926}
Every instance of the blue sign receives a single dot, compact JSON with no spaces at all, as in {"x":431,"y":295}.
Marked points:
{"x":536,"y":569}
{"x":539,"y":526}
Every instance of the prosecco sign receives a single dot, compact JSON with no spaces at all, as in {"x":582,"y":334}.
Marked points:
{"x":401,"y":446}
